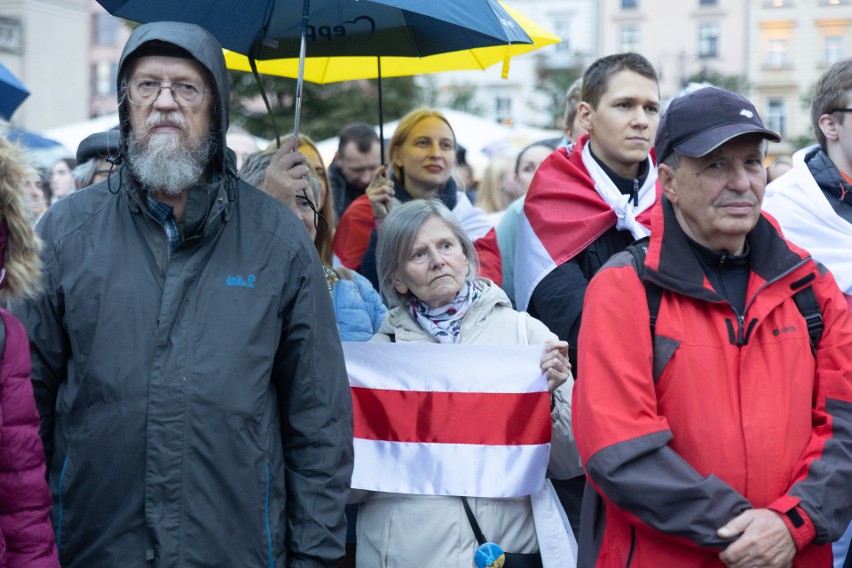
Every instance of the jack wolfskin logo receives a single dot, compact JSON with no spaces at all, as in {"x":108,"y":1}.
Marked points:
{"x":747,"y":113}
{"x":247,"y":282}
{"x":785,"y":329}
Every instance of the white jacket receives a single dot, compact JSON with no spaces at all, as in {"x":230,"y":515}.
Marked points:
{"x":808,"y":220}
{"x":396,"y":530}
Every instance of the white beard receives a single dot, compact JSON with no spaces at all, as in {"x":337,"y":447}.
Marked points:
{"x":163,"y":162}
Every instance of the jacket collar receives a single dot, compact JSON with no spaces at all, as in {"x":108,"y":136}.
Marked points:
{"x":672,"y":264}
{"x":400,"y":324}
{"x":205,"y":201}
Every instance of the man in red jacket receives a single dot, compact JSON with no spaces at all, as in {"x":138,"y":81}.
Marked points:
{"x":720,"y":433}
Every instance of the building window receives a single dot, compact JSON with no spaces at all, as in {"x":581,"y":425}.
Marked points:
{"x":10,"y":35}
{"x":629,"y":39}
{"x":776,"y":116}
{"x":105,"y":29}
{"x":629,"y":4}
{"x":778,"y":53}
{"x":708,"y":40}
{"x":561,"y":26}
{"x":835,"y":50}
{"x":503,"y":109}
{"x":104,"y":75}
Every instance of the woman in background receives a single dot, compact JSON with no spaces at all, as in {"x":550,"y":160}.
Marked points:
{"x":427,"y":266}
{"x":324,"y":240}
{"x":422,"y":163}
{"x":26,"y":535}
{"x":61,"y":178}
{"x":498,"y":188}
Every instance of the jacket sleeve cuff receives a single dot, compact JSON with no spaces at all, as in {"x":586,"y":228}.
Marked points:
{"x":798,"y":522}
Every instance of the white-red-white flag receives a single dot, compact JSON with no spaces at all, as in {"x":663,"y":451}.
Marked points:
{"x":434,"y":419}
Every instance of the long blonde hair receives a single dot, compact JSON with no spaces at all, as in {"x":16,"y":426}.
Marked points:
{"x":404,"y":128}
{"x":21,"y":258}
{"x":324,"y":239}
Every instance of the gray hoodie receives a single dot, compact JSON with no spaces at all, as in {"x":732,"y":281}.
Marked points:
{"x":195,"y":407}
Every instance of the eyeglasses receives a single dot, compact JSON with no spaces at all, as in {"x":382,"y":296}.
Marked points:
{"x":839,"y":110}
{"x":186,"y":95}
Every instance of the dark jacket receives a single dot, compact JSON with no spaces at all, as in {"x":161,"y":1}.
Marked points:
{"x":194,"y":413}
{"x":344,"y":193}
{"x":723,"y":411}
{"x":26,"y":537}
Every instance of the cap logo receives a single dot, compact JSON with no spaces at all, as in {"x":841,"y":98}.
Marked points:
{"x":747,"y":113}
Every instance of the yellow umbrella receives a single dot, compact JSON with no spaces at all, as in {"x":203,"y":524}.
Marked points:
{"x":334,"y":69}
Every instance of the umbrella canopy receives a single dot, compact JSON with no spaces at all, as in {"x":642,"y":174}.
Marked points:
{"x":349,"y":68}
{"x":267,"y":29}
{"x":12,"y":93}
{"x":44,"y":152}
{"x":271,"y":29}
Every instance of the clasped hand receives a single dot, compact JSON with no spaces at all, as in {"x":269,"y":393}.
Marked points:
{"x":555,"y":365}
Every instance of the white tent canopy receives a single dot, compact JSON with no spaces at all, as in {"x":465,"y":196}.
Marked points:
{"x":70,"y":135}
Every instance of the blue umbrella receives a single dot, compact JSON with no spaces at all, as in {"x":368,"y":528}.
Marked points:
{"x":31,"y":139}
{"x":12,"y":93}
{"x":271,"y":29}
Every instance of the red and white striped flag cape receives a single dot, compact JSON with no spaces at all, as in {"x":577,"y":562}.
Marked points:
{"x":563,"y":214}
{"x":434,"y":419}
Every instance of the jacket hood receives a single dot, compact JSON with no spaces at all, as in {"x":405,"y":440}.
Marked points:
{"x":205,"y":49}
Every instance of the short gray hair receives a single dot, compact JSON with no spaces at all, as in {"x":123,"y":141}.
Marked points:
{"x":673,"y":160}
{"x":84,"y":173}
{"x":254,"y":167}
{"x":396,"y":238}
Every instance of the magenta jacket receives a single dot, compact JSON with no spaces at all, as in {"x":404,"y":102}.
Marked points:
{"x":26,"y":535}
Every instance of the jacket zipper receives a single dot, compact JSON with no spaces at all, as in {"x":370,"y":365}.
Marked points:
{"x":741,"y":318}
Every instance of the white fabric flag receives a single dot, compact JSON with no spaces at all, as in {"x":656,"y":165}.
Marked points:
{"x":431,"y":419}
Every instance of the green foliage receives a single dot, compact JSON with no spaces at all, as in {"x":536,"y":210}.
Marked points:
{"x":325,"y":108}
{"x":733,"y":83}
{"x":555,"y":83}
{"x":803,"y":141}
{"x":461,"y":97}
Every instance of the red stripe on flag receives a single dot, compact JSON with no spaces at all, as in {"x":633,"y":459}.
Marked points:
{"x":494,"y":419}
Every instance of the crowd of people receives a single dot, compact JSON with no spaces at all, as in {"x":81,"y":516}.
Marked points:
{"x":174,"y":382}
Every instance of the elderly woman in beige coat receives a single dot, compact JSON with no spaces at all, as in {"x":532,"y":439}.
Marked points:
{"x":427,"y":266}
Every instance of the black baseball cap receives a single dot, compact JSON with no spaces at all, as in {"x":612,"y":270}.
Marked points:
{"x":98,"y":145}
{"x":697,"y":123}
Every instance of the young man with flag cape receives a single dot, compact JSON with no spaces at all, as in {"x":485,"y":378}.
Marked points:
{"x":588,"y":203}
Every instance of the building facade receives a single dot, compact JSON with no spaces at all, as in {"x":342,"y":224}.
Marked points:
{"x":520,"y":99}
{"x":792,"y":43}
{"x":682,"y":40}
{"x":42,"y":43}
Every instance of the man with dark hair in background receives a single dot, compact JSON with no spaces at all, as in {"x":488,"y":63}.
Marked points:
{"x":357,"y":157}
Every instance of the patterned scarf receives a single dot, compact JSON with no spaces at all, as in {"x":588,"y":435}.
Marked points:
{"x":444,"y":323}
